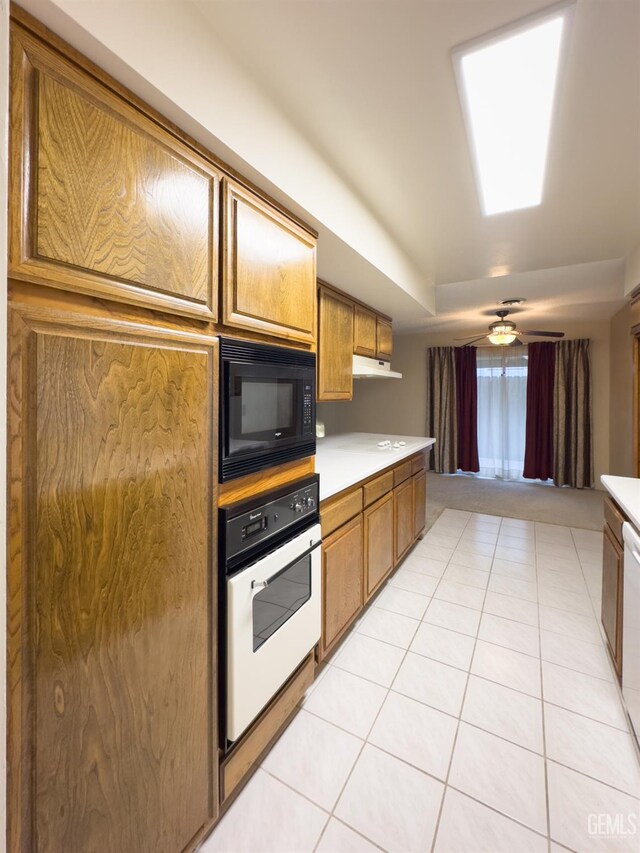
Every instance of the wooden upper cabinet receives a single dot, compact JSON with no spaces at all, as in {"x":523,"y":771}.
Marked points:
{"x":112,"y":683}
{"x":103,"y":201}
{"x":384,"y":339}
{"x":335,"y":346}
{"x":364,"y":332}
{"x":269,"y":269}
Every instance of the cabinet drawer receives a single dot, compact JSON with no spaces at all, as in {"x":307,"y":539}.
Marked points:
{"x":401,"y":473}
{"x":417,"y":463}
{"x":337,"y":512}
{"x":614,"y":517}
{"x":377,"y":488}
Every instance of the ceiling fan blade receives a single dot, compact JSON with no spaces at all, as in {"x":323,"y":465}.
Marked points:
{"x":543,"y":334}
{"x":470,"y":336}
{"x":473,"y":341}
{"x":516,"y":343}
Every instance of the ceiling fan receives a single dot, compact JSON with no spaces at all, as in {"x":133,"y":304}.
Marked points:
{"x":503,"y":333}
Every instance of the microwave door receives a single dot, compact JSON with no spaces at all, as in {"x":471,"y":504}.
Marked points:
{"x":264,"y":410}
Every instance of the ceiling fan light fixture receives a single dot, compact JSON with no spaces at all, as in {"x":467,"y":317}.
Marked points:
{"x":502,"y":339}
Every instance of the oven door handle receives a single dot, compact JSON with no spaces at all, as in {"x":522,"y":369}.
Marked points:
{"x":257,"y":586}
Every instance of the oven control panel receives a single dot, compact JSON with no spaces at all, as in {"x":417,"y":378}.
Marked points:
{"x":248,"y":525}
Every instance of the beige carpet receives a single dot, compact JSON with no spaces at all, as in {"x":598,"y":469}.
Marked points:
{"x":533,"y":501}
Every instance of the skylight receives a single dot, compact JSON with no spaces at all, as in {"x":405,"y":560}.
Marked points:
{"x":507,"y":86}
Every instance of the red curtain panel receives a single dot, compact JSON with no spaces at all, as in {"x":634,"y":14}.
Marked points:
{"x":467,"y":408}
{"x":538,"y":452}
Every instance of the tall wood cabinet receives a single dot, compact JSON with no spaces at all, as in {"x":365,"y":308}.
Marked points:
{"x":112,"y":533}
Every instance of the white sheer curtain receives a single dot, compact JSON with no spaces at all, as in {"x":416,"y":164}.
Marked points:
{"x":502,"y":407}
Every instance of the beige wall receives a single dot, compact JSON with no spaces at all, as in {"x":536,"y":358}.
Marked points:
{"x":621,"y":390}
{"x":399,"y":406}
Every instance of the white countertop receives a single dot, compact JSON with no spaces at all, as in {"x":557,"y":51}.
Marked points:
{"x":626,"y":492}
{"x":347,"y":458}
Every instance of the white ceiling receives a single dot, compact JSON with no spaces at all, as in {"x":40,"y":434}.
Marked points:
{"x":370,"y":85}
{"x":347,"y":112}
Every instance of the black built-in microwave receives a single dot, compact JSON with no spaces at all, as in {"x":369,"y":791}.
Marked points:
{"x":267,"y":406}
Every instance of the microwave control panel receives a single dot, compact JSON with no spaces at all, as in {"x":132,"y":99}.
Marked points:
{"x":308,"y":426}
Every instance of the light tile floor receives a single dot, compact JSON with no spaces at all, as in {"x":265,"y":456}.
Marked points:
{"x":472,"y":708}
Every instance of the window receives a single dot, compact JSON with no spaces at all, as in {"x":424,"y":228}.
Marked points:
{"x":507,"y":87}
{"x":502,"y":407}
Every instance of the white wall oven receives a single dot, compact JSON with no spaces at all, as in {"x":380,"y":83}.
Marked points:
{"x":271,"y":558}
{"x":267,"y":406}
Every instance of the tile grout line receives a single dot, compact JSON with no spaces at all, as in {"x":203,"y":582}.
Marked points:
{"x":543,"y":721}
{"x":364,"y":743}
{"x":455,"y":738}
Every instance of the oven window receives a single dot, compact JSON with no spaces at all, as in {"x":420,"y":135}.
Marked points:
{"x":266,"y":406}
{"x":276,"y":603}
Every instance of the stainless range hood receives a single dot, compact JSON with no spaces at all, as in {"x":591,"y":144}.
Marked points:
{"x":372,"y":368}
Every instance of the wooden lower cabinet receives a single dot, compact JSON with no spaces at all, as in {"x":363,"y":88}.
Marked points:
{"x":612,"y":592}
{"x":403,"y":518}
{"x":378,"y":543}
{"x":342,"y":581}
{"x":112,"y":635}
{"x":419,"y":503}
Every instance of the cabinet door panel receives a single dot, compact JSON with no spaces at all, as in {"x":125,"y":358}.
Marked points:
{"x":103,"y":201}
{"x":114,"y":595}
{"x":269,"y":269}
{"x":378,"y":542}
{"x":364,"y":332}
{"x":342,"y":580}
{"x":612,"y":580}
{"x":384,"y":339}
{"x":403,"y":518}
{"x":419,"y":503}
{"x":335,"y":345}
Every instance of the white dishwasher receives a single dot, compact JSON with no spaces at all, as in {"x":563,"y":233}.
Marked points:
{"x":631,"y":626}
